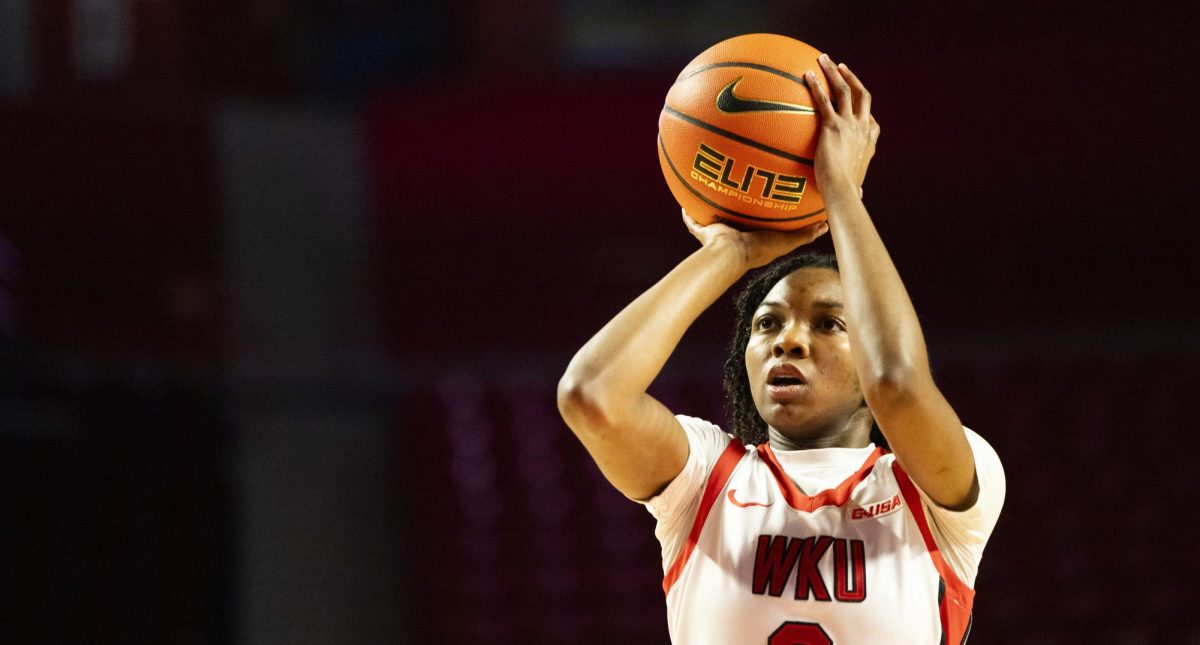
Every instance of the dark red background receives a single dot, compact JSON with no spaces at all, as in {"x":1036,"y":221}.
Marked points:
{"x":1034,"y":185}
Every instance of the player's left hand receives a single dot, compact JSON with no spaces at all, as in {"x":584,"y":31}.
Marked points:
{"x":755,"y":248}
{"x":848,"y":132}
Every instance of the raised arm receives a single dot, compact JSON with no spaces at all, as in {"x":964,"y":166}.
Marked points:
{"x":634,"y":439}
{"x":885,"y":336}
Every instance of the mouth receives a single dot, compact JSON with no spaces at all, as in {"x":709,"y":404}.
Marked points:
{"x":786,"y":382}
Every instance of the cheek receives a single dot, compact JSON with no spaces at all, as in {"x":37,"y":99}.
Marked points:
{"x":754,"y":360}
{"x":841,"y":368}
{"x":751,"y":364}
{"x":852,"y":384}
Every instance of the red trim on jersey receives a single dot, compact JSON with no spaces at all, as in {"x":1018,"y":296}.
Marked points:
{"x":717,"y":479}
{"x":955,"y":608}
{"x":832,"y":496}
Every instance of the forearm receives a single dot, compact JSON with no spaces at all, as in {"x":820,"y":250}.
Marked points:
{"x":886,"y":337}
{"x":620,"y":362}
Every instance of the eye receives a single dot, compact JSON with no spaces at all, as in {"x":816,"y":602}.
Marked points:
{"x":832,"y":324}
{"x":764,"y":323}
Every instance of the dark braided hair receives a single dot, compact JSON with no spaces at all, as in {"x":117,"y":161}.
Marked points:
{"x":747,"y":424}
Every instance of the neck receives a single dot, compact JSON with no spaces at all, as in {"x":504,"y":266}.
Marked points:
{"x":854,"y":432}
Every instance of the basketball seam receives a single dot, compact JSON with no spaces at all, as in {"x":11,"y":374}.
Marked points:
{"x":758,"y":66}
{"x":736,"y":137}
{"x":683,"y":182}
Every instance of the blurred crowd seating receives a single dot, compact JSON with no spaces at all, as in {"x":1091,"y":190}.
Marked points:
{"x":524,"y":542}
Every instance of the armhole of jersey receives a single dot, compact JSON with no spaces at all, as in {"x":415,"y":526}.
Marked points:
{"x":957,"y":599}
{"x":717,"y":479}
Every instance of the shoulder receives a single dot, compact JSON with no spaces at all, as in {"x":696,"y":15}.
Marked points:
{"x":703,"y":429}
{"x":706,"y":443}
{"x":707,"y":440}
{"x":990,"y":474}
{"x":984,"y":452}
{"x":962,"y":534}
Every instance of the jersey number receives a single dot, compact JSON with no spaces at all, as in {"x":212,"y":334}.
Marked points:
{"x":796,"y":633}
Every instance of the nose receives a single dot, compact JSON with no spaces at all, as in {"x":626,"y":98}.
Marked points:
{"x":792,"y":341}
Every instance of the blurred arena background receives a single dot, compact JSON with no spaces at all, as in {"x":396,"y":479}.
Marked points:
{"x":285,"y":288}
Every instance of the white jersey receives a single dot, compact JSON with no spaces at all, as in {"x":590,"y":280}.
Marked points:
{"x":862,"y":558}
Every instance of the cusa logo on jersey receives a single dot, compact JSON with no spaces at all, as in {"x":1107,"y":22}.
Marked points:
{"x":875,"y":510}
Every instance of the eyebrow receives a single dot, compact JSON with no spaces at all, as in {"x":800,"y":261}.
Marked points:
{"x":818,"y":304}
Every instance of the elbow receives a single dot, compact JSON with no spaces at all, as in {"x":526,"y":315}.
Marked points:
{"x":892,"y":384}
{"x":580,"y":404}
{"x":572,"y":396}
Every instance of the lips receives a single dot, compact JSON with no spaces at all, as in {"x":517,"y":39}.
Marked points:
{"x":785,"y":372}
{"x":786,"y":381}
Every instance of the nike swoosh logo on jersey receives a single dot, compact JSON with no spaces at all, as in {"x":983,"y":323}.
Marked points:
{"x":734,"y":501}
{"x":729,"y":102}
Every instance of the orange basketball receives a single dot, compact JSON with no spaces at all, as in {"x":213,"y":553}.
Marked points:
{"x":737,"y":134}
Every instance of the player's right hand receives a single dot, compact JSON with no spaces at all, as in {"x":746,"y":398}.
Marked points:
{"x":756,"y":248}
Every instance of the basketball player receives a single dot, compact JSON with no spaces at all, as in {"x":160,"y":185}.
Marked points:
{"x":806,"y":525}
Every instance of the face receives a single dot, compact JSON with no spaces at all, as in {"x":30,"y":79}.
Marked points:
{"x":802,"y":375}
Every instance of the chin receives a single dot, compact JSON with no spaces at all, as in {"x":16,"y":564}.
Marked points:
{"x":801,"y":420}
{"x":794,"y":426}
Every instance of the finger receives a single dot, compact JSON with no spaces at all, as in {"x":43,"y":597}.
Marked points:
{"x":692,"y":226}
{"x":811,"y":232}
{"x":838,"y":87}
{"x":819,"y":229}
{"x":874,"y":130}
{"x":820,"y":96}
{"x":861,"y":97}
